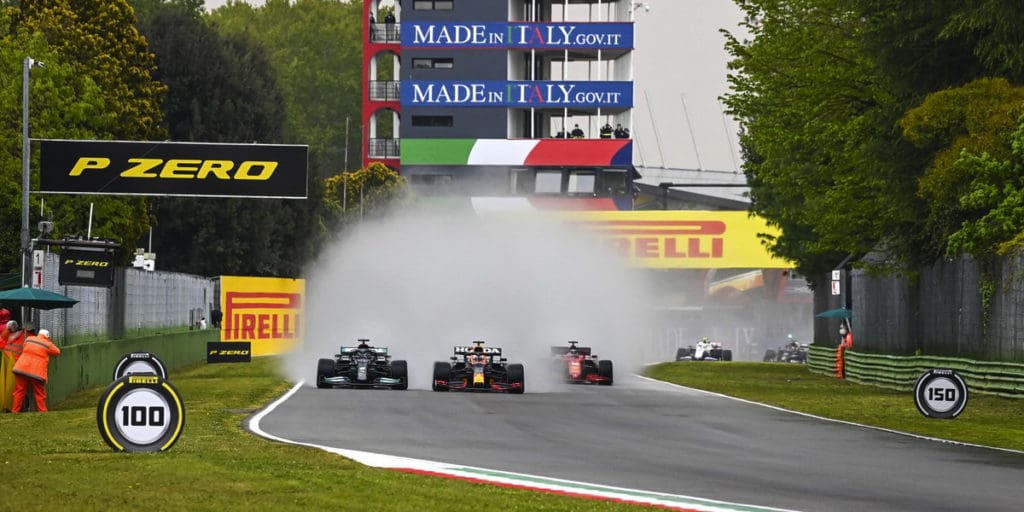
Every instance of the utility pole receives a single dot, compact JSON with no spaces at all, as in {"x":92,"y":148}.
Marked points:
{"x":26,"y":250}
{"x":346,"y":143}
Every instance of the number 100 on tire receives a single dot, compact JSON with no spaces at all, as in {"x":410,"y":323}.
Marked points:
{"x":140,"y":413}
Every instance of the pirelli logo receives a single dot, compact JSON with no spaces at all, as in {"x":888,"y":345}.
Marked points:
{"x":173,"y":168}
{"x":664,"y":239}
{"x":261,"y":315}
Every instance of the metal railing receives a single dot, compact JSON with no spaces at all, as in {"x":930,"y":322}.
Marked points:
{"x":385,"y":90}
{"x":385,"y":148}
{"x":385,"y":33}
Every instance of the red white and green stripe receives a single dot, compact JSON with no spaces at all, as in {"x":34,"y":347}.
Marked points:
{"x":526,"y":152}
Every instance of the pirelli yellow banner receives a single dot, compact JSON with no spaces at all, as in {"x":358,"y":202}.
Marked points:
{"x":265,"y":311}
{"x":684,"y":238}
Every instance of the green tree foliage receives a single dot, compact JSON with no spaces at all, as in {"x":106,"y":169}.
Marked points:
{"x":995,"y":197}
{"x":222,"y":89}
{"x":315,"y":48}
{"x":818,"y":120}
{"x":367,"y":192}
{"x":96,"y":85}
{"x":978,"y":118}
{"x":823,"y":91}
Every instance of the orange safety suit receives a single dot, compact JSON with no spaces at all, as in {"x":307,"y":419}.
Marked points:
{"x":12,"y":346}
{"x":845,"y":344}
{"x":31,"y":370}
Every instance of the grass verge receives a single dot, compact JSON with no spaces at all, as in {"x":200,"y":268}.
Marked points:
{"x":987,"y":420}
{"x":58,"y":461}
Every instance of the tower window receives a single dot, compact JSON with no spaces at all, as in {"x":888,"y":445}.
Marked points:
{"x":433,"y":63}
{"x":432,"y":121}
{"x":433,"y":5}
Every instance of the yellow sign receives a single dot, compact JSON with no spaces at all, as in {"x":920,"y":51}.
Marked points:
{"x":684,"y":238}
{"x":265,"y":311}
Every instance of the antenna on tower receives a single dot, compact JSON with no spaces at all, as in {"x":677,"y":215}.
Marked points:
{"x":728,"y":137}
{"x":693,"y":138}
{"x":657,"y":133}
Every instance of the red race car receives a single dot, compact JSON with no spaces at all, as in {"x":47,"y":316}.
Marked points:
{"x":580,"y":367}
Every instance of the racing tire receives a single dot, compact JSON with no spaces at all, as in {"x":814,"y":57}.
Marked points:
{"x":727,"y":355}
{"x":516,"y":373}
{"x":604,"y":369}
{"x":441,"y":372}
{"x":683,"y":353}
{"x":324,"y":368}
{"x":769,"y":356}
{"x":400,"y":370}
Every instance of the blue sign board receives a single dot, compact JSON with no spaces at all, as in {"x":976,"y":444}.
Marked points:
{"x":497,"y":93}
{"x":546,"y":36}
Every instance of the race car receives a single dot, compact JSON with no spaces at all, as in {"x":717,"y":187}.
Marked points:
{"x":704,"y":351}
{"x":362,"y":366}
{"x":478,"y":368}
{"x":791,"y":352}
{"x":579,"y":366}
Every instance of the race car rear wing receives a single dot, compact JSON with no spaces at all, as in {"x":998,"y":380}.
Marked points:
{"x":381,"y":351}
{"x":559,"y":351}
{"x":491,"y":351}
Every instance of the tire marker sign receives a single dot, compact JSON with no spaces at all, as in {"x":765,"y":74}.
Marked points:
{"x":940,"y":393}
{"x":140,"y":413}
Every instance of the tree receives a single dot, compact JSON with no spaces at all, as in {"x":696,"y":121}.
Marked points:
{"x":823,"y":90}
{"x":965,"y":129}
{"x":822,"y":160}
{"x":96,"y":85}
{"x":222,"y":89}
{"x":368,"y":192}
{"x":315,"y":48}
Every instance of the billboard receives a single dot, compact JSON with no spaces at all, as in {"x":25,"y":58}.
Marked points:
{"x":684,"y":238}
{"x":265,"y":311}
{"x":521,"y":94}
{"x":86,"y":267}
{"x":499,"y":35}
{"x":172,"y":169}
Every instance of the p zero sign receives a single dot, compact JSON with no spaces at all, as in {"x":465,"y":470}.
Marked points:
{"x":172,"y":169}
{"x":86,"y":267}
{"x":264,"y":311}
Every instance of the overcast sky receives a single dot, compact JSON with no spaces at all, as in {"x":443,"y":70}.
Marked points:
{"x":680,"y":56}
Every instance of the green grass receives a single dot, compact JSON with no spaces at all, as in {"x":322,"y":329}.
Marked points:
{"x":987,"y":420}
{"x":58,"y":461}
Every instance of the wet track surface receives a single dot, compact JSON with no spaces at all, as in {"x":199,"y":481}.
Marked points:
{"x":646,"y":435}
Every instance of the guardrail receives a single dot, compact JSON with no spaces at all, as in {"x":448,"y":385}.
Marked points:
{"x":901,"y":372}
{"x":92,"y":364}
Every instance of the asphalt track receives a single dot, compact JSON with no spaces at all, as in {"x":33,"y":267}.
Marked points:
{"x":647,"y":435}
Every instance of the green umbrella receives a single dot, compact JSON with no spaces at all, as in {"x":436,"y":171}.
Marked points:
{"x":835,"y":313}
{"x":35,"y":298}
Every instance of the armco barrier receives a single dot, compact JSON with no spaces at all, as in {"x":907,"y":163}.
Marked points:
{"x":92,"y":364}
{"x":821,"y":359}
{"x":901,"y":372}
